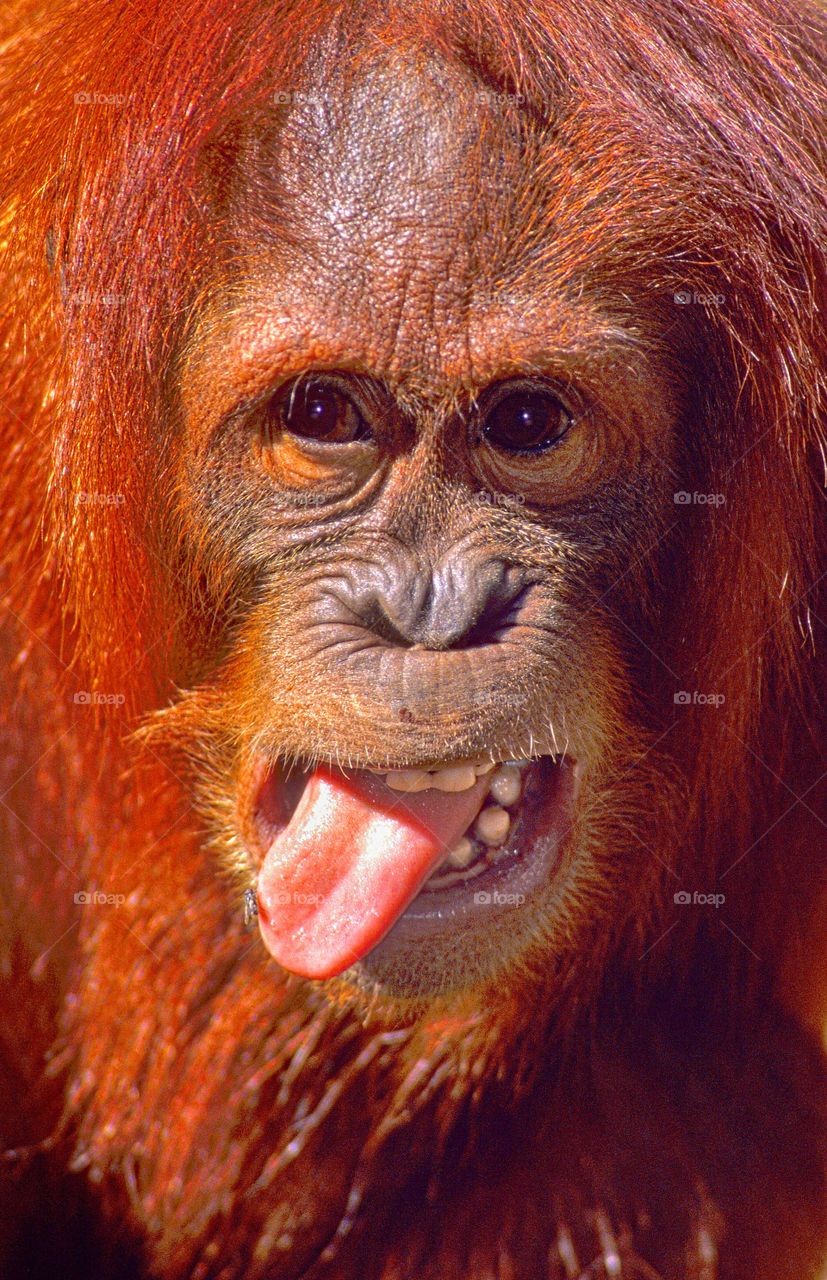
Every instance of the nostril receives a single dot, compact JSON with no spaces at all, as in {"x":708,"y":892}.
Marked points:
{"x":378,"y":618}
{"x":462,"y":603}
{"x":450,"y":610}
{"x":496,"y":616}
{"x":425,"y":624}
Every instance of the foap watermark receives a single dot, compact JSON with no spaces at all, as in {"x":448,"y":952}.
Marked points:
{"x":96,"y":898}
{"x":283,"y":899}
{"x":491,"y":98}
{"x":683,"y":498}
{"x":689,"y":298}
{"x":85,"y":298}
{"x":511,"y":301}
{"x":84,"y":499}
{"x":509,"y":501}
{"x":91,"y":698}
{"x":694,"y":698}
{"x":683,"y":898}
{"x":298,"y":97}
{"x":495,"y":898}
{"x":89,"y":99}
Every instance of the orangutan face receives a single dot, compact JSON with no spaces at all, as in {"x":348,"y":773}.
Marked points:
{"x":426,"y":466}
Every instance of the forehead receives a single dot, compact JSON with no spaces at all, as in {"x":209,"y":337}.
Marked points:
{"x":381,"y":148}
{"x":396,"y":216}
{"x":402,"y":167}
{"x":395,"y":199}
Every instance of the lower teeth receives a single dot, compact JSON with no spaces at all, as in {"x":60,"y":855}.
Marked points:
{"x":463,"y":854}
{"x":492,"y":825}
{"x":474,"y":854}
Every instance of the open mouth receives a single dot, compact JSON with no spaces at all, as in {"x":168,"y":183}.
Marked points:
{"x":349,"y":856}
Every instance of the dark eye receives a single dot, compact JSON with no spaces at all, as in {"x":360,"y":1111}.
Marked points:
{"x":319,"y":411}
{"x":526,"y":421}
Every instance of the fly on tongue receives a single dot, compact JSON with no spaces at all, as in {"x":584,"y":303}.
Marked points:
{"x":351,"y":858}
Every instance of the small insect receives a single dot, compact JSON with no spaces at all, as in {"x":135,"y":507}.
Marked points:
{"x":250,"y":908}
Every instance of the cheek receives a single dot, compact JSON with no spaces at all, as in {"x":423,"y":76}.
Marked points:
{"x":243,"y":503}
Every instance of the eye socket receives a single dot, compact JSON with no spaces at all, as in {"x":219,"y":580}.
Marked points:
{"x":317,"y":410}
{"x":526,"y":420}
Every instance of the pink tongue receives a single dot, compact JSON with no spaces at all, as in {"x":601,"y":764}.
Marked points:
{"x":352,"y":857}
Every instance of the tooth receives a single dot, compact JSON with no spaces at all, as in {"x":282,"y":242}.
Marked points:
{"x":492,"y":825}
{"x":505,"y":785}
{"x":462,"y":853}
{"x":454,"y":778}
{"x":409,"y":780}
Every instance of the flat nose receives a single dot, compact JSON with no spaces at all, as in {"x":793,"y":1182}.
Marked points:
{"x":458,"y":604}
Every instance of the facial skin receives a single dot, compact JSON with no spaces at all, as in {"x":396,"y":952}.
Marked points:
{"x":424,"y":468}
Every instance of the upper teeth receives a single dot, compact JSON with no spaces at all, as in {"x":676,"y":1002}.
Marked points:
{"x":452,"y":777}
{"x":506,"y":785}
{"x":457,"y":777}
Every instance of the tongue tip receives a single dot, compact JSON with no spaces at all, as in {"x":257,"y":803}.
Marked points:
{"x":305,"y":957}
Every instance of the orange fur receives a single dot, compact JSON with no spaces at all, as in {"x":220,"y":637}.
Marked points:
{"x":205,"y":1116}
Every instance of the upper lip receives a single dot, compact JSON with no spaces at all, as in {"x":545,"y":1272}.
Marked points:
{"x":387,"y":764}
{"x":450,"y":762}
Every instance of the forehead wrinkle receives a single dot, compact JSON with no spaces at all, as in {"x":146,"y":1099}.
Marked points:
{"x":410,"y":214}
{"x":404,"y":183}
{"x":252,"y":347}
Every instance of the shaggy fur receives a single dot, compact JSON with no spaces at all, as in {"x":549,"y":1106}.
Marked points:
{"x":173,"y":1107}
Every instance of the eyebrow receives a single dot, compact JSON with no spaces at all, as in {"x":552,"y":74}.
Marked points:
{"x":238,"y":356}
